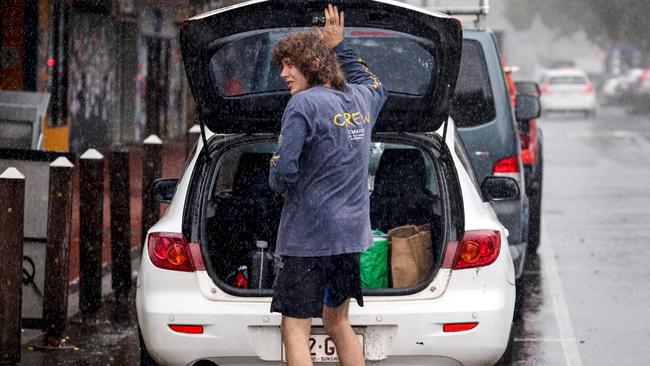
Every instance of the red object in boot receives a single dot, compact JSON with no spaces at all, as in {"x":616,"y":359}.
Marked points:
{"x":241,"y":281}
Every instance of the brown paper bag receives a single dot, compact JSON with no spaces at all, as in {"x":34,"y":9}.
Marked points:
{"x":411,"y":256}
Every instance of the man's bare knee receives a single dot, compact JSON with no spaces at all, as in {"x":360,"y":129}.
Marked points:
{"x":296,"y":326}
{"x":335,"y":319}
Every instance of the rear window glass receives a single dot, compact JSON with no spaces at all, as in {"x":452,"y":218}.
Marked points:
{"x":402,"y":62}
{"x":473,"y":101}
{"x":566,"y":80}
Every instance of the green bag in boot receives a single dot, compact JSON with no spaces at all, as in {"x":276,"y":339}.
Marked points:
{"x":374,"y":262}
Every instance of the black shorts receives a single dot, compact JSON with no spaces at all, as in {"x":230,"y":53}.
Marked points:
{"x":305,"y":284}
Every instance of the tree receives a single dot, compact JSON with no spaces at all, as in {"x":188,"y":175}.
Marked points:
{"x":604,"y":21}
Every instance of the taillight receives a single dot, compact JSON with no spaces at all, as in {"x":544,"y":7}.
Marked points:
{"x":588,"y":90}
{"x":544,"y":89}
{"x":508,"y":167}
{"x":170,"y":251}
{"x":478,"y":248}
{"x":524,"y":140}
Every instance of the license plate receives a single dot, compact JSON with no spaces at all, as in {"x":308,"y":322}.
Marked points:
{"x":322,"y":348}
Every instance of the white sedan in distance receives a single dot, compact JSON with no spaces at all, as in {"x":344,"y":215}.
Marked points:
{"x":568,"y":90}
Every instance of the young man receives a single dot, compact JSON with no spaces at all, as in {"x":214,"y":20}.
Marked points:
{"x":321,"y":168}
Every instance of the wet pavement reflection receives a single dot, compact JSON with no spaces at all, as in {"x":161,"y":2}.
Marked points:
{"x":535,"y":339}
{"x":109,"y":339}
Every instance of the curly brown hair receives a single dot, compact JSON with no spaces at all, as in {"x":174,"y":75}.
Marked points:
{"x":303,"y":49}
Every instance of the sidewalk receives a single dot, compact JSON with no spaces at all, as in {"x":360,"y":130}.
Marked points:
{"x":110,"y":340}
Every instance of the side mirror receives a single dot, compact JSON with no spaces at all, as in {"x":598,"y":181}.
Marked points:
{"x":163,"y":189}
{"x":500,"y":188}
{"x":527,"y":107}
{"x":528,"y":87}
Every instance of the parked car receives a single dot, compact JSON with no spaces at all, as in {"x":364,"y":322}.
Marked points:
{"x":189,"y":311}
{"x":611,"y":92}
{"x":640,"y":99}
{"x":482,"y":109}
{"x":568,"y":90}
{"x":532,"y":157}
{"x":531,"y":141}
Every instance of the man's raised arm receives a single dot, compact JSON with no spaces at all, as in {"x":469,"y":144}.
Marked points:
{"x":355,"y":69}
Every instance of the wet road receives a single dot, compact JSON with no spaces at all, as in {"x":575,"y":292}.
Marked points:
{"x":588,"y":290}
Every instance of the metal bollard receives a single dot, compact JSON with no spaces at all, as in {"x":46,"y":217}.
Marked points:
{"x":57,"y":254}
{"x":120,"y":223}
{"x":12,"y":211}
{"x":151,"y":170}
{"x":193,"y":134}
{"x":91,"y":212}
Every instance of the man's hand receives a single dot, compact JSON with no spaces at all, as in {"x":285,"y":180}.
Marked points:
{"x":333,"y":31}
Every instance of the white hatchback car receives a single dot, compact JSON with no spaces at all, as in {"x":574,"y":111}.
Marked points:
{"x":568,"y":90}
{"x":191,"y":307}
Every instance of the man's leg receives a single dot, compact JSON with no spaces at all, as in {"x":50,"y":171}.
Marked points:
{"x":295,"y":335}
{"x":336,"y":321}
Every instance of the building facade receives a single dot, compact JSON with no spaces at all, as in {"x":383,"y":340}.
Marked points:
{"x":113,"y":68}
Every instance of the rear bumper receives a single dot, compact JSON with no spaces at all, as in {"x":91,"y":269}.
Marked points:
{"x":568,"y":102}
{"x":396,"y":332}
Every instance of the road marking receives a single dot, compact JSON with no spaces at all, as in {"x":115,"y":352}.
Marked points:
{"x":560,"y":308}
{"x":625,"y":133}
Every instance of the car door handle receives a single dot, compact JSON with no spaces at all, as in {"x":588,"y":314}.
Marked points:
{"x":483,"y":154}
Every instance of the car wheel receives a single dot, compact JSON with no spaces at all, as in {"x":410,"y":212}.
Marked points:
{"x":145,"y":357}
{"x":535,"y":209}
{"x":519,"y":299}
{"x":535,"y":222}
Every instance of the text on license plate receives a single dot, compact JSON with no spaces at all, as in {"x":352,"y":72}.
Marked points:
{"x":322,"y":348}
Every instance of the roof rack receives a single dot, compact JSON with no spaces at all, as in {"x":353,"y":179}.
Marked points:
{"x":481,"y":12}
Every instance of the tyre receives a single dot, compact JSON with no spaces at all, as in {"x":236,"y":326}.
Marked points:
{"x":519,"y":299}
{"x":535,"y":222}
{"x":145,"y":357}
{"x":535,"y":213}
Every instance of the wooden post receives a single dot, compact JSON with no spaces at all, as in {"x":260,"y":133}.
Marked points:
{"x":120,"y":224}
{"x":57,"y":254}
{"x":91,"y":212}
{"x":151,"y":170}
{"x":12,"y":211}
